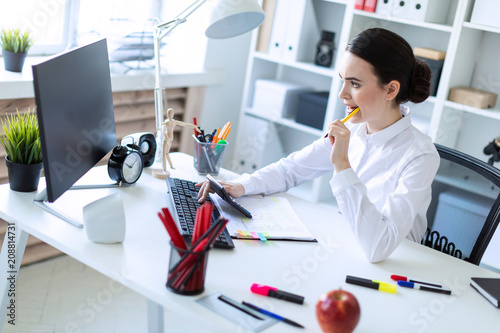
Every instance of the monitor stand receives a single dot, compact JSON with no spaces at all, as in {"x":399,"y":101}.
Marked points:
{"x":41,"y":200}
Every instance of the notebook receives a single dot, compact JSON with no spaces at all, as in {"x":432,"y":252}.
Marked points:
{"x":489,"y":288}
{"x":273,"y":218}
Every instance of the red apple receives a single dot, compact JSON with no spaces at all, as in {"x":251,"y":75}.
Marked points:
{"x":338,"y":312}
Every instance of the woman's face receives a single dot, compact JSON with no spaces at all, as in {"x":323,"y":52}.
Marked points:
{"x":361,"y":89}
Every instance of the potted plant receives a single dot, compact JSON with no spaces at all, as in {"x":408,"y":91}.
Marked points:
{"x":15,"y":46}
{"x":21,"y":141}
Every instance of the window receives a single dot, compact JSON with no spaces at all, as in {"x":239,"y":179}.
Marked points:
{"x":57,"y":25}
{"x":47,"y":20}
{"x":184,"y":49}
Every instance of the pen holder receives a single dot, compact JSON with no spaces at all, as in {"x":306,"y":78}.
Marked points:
{"x":208,"y":157}
{"x":186,"y":272}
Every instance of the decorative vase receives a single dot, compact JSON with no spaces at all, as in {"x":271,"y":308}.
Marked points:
{"x":14,"y":62}
{"x":23,"y":177}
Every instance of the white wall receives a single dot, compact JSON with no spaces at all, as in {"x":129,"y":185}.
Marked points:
{"x":222,"y":103}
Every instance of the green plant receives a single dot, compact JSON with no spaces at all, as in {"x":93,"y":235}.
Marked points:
{"x":13,"y":41}
{"x":22,"y":138}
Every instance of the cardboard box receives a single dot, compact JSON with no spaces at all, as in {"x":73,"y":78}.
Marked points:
{"x":473,"y":97}
{"x":274,"y":98}
{"x":485,"y":12}
{"x":429,"y":53}
{"x":312,"y":109}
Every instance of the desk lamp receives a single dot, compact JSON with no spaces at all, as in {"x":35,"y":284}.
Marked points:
{"x":229,"y":18}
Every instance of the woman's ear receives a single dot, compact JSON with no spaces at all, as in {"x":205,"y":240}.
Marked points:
{"x":392,"y":89}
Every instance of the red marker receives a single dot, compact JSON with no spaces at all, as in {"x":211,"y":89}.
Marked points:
{"x":408,"y":279}
{"x":274,"y":292}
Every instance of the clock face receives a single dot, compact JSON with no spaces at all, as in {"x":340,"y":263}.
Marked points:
{"x":132,"y":167}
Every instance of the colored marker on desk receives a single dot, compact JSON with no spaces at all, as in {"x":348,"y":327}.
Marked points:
{"x":407,"y":279}
{"x":373,"y":284}
{"x":274,"y":292}
{"x":273,"y":315}
{"x":422,"y":287}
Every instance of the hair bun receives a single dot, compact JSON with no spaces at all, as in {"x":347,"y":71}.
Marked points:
{"x":421,"y":82}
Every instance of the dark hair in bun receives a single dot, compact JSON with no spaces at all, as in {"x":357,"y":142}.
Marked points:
{"x":393,"y":59}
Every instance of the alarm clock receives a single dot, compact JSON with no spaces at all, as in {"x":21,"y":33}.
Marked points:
{"x":147,"y":144}
{"x":125,"y":164}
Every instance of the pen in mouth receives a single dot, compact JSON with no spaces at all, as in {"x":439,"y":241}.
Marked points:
{"x":347,"y":117}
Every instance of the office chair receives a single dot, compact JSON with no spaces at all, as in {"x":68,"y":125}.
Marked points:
{"x":465,"y":206}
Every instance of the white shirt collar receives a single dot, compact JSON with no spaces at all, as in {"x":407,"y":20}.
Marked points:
{"x":389,"y":132}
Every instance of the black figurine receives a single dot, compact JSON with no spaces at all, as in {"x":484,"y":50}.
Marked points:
{"x":493,"y":148}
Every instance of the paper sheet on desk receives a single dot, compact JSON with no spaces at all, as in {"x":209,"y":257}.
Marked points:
{"x":272,"y":218}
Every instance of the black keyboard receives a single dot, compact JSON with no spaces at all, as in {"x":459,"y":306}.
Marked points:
{"x":184,"y":197}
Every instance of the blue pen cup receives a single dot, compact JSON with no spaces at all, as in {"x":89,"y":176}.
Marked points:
{"x":208,"y":157}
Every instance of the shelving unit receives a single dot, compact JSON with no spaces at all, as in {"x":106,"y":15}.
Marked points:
{"x":470,"y":49}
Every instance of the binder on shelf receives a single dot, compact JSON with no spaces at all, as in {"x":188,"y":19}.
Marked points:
{"x":489,"y":288}
{"x":400,"y":9}
{"x":370,"y":5}
{"x":433,"y":11}
{"x":265,"y":29}
{"x":384,"y":7}
{"x":259,"y":144}
{"x":295,"y":31}
{"x":279,"y":28}
{"x":359,"y":4}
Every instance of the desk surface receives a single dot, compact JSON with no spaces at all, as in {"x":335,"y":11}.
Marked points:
{"x":308,"y":269}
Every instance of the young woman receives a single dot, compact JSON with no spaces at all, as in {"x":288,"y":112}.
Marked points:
{"x":383,"y":166}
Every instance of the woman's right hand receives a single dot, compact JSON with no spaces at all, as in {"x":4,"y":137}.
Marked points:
{"x":235,"y":190}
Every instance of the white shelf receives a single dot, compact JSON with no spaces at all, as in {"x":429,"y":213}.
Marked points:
{"x":488,"y":113}
{"x":434,"y":26}
{"x":309,"y":67}
{"x":481,"y":27}
{"x":288,"y":122}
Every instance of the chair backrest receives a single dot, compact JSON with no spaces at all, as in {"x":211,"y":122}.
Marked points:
{"x":465,"y":207}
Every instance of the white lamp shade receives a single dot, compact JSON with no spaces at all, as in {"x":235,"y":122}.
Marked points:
{"x":231,"y":18}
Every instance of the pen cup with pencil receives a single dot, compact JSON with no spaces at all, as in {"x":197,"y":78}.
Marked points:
{"x":208,"y":156}
{"x":188,"y":262}
{"x":186,"y":272}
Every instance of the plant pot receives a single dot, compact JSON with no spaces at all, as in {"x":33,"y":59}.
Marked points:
{"x":14,"y":62}
{"x":23,"y":177}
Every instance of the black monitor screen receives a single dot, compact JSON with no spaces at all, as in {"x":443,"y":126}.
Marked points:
{"x":75,"y":113}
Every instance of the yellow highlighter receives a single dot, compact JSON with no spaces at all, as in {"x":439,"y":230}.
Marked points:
{"x":372,"y":284}
{"x":350,"y":115}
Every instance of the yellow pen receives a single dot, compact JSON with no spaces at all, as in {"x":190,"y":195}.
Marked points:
{"x":350,"y":115}
{"x":347,"y":117}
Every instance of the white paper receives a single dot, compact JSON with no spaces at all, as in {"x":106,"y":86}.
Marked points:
{"x":272,"y":218}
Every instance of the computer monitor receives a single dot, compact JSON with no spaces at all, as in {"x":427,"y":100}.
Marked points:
{"x":74,"y":105}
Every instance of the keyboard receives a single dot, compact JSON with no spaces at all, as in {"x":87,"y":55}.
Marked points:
{"x":184,"y":197}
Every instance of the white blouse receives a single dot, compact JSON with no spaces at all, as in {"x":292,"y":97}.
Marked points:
{"x":384,"y":195}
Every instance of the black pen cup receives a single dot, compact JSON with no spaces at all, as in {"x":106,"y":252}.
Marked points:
{"x":186,"y":271}
{"x":208,"y":157}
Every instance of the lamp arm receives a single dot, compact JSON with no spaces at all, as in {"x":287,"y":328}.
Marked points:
{"x":160,"y":31}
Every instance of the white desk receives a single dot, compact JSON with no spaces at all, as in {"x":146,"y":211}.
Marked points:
{"x":308,"y":269}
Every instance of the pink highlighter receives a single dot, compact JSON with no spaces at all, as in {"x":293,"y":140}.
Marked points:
{"x":274,"y":292}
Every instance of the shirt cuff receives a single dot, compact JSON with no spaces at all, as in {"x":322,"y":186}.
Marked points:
{"x":246,"y":181}
{"x":343,"y":179}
